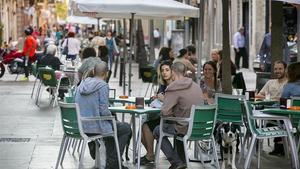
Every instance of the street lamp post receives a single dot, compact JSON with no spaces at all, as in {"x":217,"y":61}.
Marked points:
{"x":298,"y":32}
{"x":200,"y":37}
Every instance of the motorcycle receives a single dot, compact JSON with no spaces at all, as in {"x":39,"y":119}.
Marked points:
{"x":14,"y":59}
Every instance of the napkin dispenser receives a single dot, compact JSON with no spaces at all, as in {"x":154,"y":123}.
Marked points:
{"x":139,"y":102}
{"x":250,"y":95}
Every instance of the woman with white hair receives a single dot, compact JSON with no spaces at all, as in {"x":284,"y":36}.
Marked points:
{"x":49,"y":59}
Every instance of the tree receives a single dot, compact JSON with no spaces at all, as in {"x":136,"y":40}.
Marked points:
{"x":61,"y":9}
{"x":1,"y":33}
{"x":226,"y":65}
{"x":141,"y":52}
{"x":277,"y":29}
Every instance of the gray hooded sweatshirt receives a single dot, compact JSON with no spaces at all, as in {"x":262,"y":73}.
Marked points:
{"x":92,"y":98}
{"x":180,"y":95}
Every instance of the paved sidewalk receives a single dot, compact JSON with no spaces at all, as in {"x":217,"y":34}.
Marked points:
{"x":30,"y":136}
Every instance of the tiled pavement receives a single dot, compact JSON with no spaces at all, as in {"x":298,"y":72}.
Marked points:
{"x":30,"y":136}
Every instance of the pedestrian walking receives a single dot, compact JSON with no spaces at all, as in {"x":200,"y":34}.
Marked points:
{"x":239,"y":42}
{"x":265,"y":53}
{"x":73,"y":45}
{"x":112,"y":48}
{"x":29,"y":48}
{"x":156,"y":35}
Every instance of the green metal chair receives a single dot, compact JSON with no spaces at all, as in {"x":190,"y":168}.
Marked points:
{"x":200,"y":127}
{"x":295,"y":119}
{"x":35,"y":73}
{"x":229,"y":110}
{"x":70,"y":96}
{"x":260,"y":133}
{"x":48,"y":79}
{"x":149,"y":75}
{"x":72,"y":127}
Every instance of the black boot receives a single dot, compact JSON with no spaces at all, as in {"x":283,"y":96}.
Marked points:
{"x":92,"y":148}
{"x":278,"y":150}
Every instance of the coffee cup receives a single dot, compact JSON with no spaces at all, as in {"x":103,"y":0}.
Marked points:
{"x":283,"y":103}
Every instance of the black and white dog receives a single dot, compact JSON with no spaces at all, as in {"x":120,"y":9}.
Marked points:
{"x":227,"y":136}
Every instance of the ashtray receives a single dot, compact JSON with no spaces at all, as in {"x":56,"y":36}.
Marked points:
{"x":130,"y":107}
{"x":294,"y":108}
{"x":123,"y":97}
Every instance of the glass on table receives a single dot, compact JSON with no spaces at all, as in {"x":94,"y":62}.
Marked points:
{"x":61,"y":67}
{"x":267,"y":96}
{"x":237,"y":91}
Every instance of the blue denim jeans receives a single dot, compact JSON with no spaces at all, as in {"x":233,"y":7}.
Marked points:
{"x":166,"y":146}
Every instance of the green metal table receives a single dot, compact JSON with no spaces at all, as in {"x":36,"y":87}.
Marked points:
{"x":284,"y":113}
{"x":128,"y":100}
{"x":140,"y":114}
{"x":264,"y":102}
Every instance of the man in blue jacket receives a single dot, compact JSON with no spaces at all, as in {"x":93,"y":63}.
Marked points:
{"x":92,"y":98}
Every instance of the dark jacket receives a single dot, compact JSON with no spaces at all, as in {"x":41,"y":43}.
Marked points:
{"x":49,"y":60}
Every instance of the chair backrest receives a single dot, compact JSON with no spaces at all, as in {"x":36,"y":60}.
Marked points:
{"x":148,"y":74}
{"x":229,"y":108}
{"x":69,"y":119}
{"x":47,"y":76}
{"x":34,"y":69}
{"x":112,"y":94}
{"x":203,"y":122}
{"x":295,"y":101}
{"x":249,"y":116}
{"x":261,"y":79}
{"x":69,"y":99}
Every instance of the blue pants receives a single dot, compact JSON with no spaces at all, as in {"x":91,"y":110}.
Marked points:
{"x":72,"y":57}
{"x":166,"y":146}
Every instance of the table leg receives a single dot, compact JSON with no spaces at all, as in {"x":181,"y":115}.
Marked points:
{"x":133,"y":137}
{"x":139,"y":138}
{"x":291,"y":139}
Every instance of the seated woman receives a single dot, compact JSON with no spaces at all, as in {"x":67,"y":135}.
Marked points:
{"x":216,"y":56}
{"x":292,"y":88}
{"x":164,"y":54}
{"x":165,"y":75}
{"x":185,"y":59}
{"x":88,"y":59}
{"x":209,"y":83}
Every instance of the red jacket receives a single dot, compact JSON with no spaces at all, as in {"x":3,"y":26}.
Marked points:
{"x":30,"y":45}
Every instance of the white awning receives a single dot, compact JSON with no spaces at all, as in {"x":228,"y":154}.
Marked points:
{"x":154,"y":9}
{"x":84,"y":20}
{"x":290,"y":1}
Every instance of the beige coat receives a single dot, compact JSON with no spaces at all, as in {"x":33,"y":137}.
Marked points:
{"x":180,"y":95}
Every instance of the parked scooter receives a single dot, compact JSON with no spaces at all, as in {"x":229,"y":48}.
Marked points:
{"x":14,"y":59}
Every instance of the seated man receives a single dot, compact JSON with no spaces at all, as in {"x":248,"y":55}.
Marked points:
{"x":180,"y":95}
{"x":92,"y":98}
{"x":274,"y":87}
